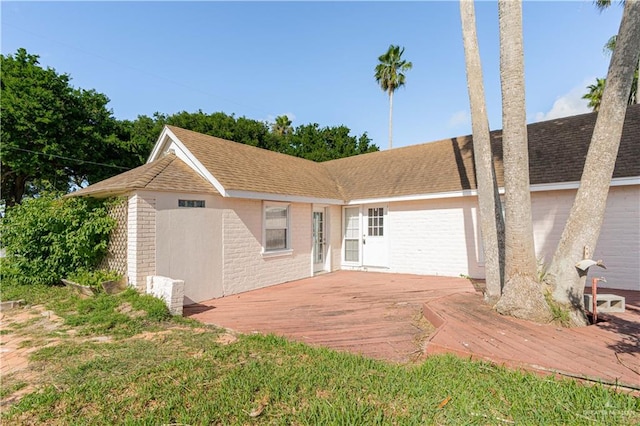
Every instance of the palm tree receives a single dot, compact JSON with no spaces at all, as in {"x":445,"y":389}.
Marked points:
{"x":282,"y":126}
{"x":390,"y":75}
{"x":489,"y":205}
{"x":581,"y":232}
{"x":595,"y":94}
{"x":595,"y":90}
{"x":602,"y":5}
{"x":522,"y":295}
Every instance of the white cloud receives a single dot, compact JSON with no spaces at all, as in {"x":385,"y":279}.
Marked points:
{"x":569,"y":104}
{"x":459,"y":118}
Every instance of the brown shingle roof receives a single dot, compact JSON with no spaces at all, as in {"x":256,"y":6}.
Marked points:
{"x":168,"y":173}
{"x":247,"y":168}
{"x":557,"y":151}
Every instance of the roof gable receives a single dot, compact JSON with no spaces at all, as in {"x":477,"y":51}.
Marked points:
{"x":168,"y":173}
{"x":244,"y":170}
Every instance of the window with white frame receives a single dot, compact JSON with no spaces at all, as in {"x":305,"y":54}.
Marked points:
{"x":276,"y":227}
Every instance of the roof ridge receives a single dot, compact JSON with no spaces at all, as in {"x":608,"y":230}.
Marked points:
{"x":171,"y":156}
{"x":246,"y":146}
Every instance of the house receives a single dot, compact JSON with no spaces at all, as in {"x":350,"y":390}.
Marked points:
{"x":228,"y":218}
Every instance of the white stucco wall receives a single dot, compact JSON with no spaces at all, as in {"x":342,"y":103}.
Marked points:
{"x":619,"y":242}
{"x":189,"y":244}
{"x":244,"y":265}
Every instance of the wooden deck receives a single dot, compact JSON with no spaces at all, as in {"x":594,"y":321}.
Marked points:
{"x":379,"y":315}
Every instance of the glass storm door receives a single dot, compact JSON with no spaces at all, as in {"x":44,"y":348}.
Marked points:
{"x":319,"y":243}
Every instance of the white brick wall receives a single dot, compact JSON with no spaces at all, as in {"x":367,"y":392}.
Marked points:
{"x":244,"y":266}
{"x":619,"y":242}
{"x":169,"y":290}
{"x":433,"y":237}
{"x":141,"y":239}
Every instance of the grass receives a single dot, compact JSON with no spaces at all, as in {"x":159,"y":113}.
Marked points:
{"x":184,"y":375}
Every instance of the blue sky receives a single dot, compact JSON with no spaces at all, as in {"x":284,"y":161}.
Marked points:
{"x":313,"y":61}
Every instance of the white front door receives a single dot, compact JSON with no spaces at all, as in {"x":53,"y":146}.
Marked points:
{"x":374,"y":238}
{"x":319,"y":240}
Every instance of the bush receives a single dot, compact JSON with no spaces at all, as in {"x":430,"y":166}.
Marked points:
{"x":49,"y":237}
{"x":93,"y":279}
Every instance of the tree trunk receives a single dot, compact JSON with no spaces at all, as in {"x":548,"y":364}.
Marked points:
{"x":390,"y":118}
{"x":522,"y":296}
{"x":489,"y":205}
{"x":587,"y":213}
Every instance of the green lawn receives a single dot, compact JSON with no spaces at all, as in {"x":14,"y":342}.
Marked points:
{"x":156,"y":370}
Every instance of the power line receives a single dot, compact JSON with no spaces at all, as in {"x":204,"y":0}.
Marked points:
{"x":67,"y":158}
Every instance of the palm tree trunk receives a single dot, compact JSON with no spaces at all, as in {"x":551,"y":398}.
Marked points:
{"x":522,"y":295}
{"x":390,"y":118}
{"x":489,"y":204}
{"x":638,"y":83}
{"x":587,"y":213}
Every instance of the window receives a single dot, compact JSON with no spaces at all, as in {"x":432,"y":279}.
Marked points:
{"x":190,"y":203}
{"x":352,"y":234}
{"x":376,"y":225}
{"x":276,"y":227}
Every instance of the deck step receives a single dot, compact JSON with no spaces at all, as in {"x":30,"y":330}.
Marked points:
{"x":604,"y":303}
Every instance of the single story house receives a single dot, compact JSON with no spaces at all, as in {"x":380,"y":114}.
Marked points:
{"x":228,"y":218}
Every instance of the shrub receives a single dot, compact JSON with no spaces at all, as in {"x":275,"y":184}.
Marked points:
{"x":49,"y":237}
{"x":93,"y":279}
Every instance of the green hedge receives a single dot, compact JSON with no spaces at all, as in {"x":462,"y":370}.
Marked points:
{"x":49,"y":237}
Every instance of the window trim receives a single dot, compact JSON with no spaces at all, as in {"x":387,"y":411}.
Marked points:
{"x":276,"y":252}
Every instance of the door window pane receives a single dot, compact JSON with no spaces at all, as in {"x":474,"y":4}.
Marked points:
{"x":375,"y":222}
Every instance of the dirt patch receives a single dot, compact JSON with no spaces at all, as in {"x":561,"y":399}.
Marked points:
{"x":128,"y":310}
{"x":24,"y":330}
{"x":226,"y":339}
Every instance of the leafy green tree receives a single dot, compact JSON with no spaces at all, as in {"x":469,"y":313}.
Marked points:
{"x":390,"y":75}
{"x":53,"y":135}
{"x":306,"y":141}
{"x":328,"y":143}
{"x":47,"y":238}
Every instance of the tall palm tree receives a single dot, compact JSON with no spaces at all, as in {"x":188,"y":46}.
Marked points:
{"x":489,"y":205}
{"x":390,"y":75}
{"x":282,"y":126}
{"x":522,"y":295}
{"x":587,"y":213}
{"x":595,"y":94}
